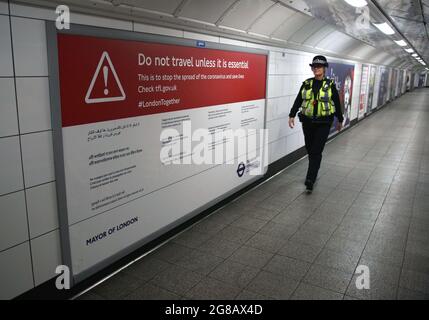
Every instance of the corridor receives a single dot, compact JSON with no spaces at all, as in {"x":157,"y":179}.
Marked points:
{"x":370,"y":207}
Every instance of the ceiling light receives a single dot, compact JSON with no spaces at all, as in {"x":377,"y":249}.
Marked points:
{"x":401,"y":43}
{"x":409,"y":50}
{"x":385,"y":28}
{"x":415,"y":55}
{"x":357,"y":3}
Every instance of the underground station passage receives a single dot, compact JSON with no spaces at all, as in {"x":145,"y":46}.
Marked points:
{"x":232,"y":150}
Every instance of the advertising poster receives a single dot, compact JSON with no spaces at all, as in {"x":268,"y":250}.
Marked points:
{"x":393,"y":81}
{"x":343,"y":75}
{"x":363,"y":97}
{"x":140,"y":124}
{"x":422,"y":79}
{"x":383,"y":90}
{"x":371,"y":88}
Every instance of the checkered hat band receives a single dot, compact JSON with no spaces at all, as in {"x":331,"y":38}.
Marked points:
{"x":318,"y":61}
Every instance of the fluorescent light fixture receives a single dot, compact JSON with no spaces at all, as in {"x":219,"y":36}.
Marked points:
{"x":401,"y":43}
{"x":385,"y":28}
{"x":415,"y":55}
{"x":357,"y":3}
{"x":409,"y":50}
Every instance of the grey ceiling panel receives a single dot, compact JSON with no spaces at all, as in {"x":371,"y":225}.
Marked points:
{"x":206,"y":10}
{"x":290,"y":26}
{"x":271,"y":19}
{"x":165,"y":6}
{"x":243,"y":15}
{"x":307,"y":30}
{"x":319,"y":35}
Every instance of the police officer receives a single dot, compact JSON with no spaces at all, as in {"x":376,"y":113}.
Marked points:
{"x":319,"y":102}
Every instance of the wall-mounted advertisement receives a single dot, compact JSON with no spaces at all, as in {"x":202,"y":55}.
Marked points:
{"x":152,"y":130}
{"x":422,"y":80}
{"x":343,"y":75}
{"x":393,"y":77}
{"x":383,"y":90}
{"x":371,"y":89}
{"x":363,"y":96}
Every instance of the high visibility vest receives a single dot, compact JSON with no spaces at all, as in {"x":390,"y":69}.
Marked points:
{"x":325,"y":107}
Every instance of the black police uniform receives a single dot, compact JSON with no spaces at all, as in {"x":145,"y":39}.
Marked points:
{"x":316,"y":129}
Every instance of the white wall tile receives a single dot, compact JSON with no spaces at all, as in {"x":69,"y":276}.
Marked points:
{"x":199,"y":36}
{"x":38,"y":159}
{"x":29,"y":46}
{"x":33,"y":104}
{"x":46,"y":252}
{"x":78,"y":18}
{"x":13,"y":220}
{"x":4,"y":8}
{"x":10,"y":165}
{"x":140,"y":27}
{"x":42,"y":209}
{"x":15,"y":271}
{"x":6,"y":66}
{"x":233,"y":42}
{"x":32,"y":12}
{"x":8,"y":117}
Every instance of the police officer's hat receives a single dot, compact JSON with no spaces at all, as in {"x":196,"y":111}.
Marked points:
{"x":319,"y":60}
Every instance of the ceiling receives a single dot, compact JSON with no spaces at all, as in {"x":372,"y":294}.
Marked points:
{"x":332,"y":27}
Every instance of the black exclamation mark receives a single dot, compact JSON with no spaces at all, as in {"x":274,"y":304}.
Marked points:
{"x":105,"y":74}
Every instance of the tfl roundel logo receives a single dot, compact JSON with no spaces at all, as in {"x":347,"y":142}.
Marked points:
{"x":240,"y":170}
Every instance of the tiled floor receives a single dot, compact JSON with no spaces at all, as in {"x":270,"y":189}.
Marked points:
{"x":370,"y":207}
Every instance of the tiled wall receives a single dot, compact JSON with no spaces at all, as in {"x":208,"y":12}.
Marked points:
{"x":29,"y":235}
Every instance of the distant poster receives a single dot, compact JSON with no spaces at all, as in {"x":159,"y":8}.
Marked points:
{"x":363,"y":91}
{"x":392,"y":84}
{"x":422,"y":79}
{"x":383,"y":87}
{"x":371,"y":88}
{"x":343,"y":75}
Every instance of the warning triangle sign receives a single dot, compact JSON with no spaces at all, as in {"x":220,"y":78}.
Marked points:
{"x":105,"y":85}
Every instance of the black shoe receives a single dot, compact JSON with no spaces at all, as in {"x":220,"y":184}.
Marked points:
{"x":309,"y":184}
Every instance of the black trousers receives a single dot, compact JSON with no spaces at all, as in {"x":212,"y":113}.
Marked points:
{"x":315,"y":135}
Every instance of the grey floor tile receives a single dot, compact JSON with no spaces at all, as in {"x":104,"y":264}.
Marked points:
{"x":209,"y":227}
{"x":414,"y":280}
{"x":416,"y":262}
{"x":236,"y":234}
{"x":337,"y":260}
{"x":378,"y":290}
{"x":406,"y":294}
{"x":263,"y":213}
{"x":212,"y":289}
{"x":273,"y":286}
{"x":311,"y":238}
{"x":200,"y":262}
{"x":146,"y":268}
{"x":266,"y":243}
{"x":328,"y":278}
{"x":192,"y":239}
{"x":278,"y":230}
{"x":118,"y":286}
{"x":309,"y":292}
{"x":170,"y":252}
{"x":249,"y":223}
{"x":252,"y":257}
{"x":345,"y":245}
{"x":288,"y":267}
{"x":219,"y":247}
{"x":151,"y":292}
{"x":177,"y":280}
{"x":300,"y":251}
{"x":234,"y":273}
{"x":318,"y":226}
{"x":248,"y":295}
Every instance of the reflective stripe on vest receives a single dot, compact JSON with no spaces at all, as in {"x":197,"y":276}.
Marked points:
{"x":324,"y":99}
